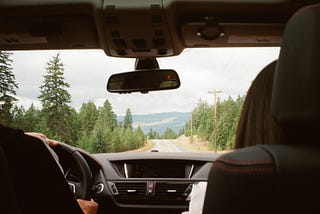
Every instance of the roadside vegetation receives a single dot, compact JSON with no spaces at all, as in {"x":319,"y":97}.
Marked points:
{"x":147,"y":147}
{"x":93,"y":128}
{"x":196,"y":144}
{"x":202,"y":125}
{"x":96,"y":129}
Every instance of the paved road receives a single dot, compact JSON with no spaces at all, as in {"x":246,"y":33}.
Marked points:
{"x":167,"y":146}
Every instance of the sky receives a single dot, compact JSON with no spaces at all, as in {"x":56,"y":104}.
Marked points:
{"x":230,"y":70}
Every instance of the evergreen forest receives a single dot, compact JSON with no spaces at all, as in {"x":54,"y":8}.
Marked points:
{"x":94,"y":128}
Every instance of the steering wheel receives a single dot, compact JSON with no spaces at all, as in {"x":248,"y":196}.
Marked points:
{"x":83,"y":188}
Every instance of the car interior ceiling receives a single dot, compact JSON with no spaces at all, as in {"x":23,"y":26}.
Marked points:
{"x":164,"y":28}
{"x":259,"y":179}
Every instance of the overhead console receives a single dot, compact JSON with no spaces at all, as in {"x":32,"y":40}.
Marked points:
{"x":136,"y":28}
{"x":220,"y":24}
{"x":158,"y":28}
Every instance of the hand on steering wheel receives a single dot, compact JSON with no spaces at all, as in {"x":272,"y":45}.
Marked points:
{"x":41,"y":136}
{"x":83,"y":188}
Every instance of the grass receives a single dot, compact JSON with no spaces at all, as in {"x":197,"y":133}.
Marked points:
{"x":196,"y":145}
{"x":146,"y":147}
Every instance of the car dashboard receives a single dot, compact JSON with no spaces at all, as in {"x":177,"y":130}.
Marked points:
{"x":146,"y":182}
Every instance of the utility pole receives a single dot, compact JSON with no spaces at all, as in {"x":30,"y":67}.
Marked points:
{"x":191,"y":139}
{"x":215,"y":118}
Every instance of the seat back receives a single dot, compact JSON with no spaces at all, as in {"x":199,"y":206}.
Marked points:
{"x":265,"y":179}
{"x":37,"y":181}
{"x":283,"y":178}
{"x":296,"y":89}
{"x":8,"y":201}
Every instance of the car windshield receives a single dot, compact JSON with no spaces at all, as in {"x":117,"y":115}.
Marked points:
{"x":62,"y":93}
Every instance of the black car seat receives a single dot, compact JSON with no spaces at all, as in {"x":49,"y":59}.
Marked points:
{"x":35,"y":181}
{"x":8,"y":202}
{"x":283,"y":178}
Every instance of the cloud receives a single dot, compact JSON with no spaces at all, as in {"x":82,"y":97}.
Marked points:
{"x":25,"y":102}
{"x":230,"y":70}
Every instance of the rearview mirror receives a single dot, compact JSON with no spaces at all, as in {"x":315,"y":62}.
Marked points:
{"x":143,"y":81}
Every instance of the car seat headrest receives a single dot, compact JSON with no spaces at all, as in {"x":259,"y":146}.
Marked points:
{"x":296,"y":87}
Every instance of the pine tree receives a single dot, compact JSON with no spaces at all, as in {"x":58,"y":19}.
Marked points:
{"x":130,"y":142}
{"x":32,"y":116}
{"x":181,"y":132}
{"x":156,"y":135}
{"x":127,"y":122}
{"x":99,"y":143}
{"x":105,"y":124}
{"x":88,"y":117}
{"x":150,"y":134}
{"x":108,"y":116}
{"x":140,"y":137}
{"x":169,"y":134}
{"x":227,"y":119}
{"x":73,"y":127}
{"x":117,"y":142}
{"x":8,"y":88}
{"x":18,"y":118}
{"x":85,"y":142}
{"x":55,"y":100}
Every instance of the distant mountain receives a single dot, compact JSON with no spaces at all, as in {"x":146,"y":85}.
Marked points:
{"x":160,"y":121}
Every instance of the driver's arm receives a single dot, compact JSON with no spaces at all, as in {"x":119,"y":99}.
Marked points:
{"x":44,"y":138}
{"x":88,"y":207}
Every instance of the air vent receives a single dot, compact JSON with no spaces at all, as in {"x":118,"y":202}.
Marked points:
{"x":110,"y":8}
{"x":165,"y":193}
{"x":156,"y":16}
{"x":111,"y":17}
{"x":172,"y":193}
{"x":131,"y":192}
{"x":155,"y":7}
